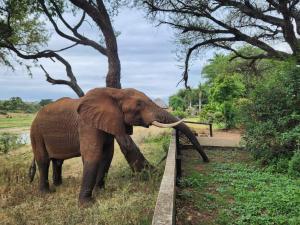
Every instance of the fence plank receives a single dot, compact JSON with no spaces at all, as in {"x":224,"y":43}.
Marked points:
{"x":164,"y":213}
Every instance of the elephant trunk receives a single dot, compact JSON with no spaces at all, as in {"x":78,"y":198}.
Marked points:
{"x":164,"y":117}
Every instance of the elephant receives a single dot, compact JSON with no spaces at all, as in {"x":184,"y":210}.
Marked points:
{"x":88,"y":126}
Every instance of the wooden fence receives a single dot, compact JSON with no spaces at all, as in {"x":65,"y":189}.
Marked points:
{"x":164,"y":213}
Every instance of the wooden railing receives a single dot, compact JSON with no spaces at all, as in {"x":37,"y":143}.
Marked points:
{"x":164,"y":213}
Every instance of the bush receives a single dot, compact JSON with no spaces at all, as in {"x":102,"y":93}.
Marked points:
{"x":272,"y":117}
{"x":211,"y":113}
{"x":9,"y":141}
{"x":294,"y":165}
{"x":180,"y":114}
{"x":3,"y":112}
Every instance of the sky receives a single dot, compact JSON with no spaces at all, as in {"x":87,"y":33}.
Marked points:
{"x":147,"y":55}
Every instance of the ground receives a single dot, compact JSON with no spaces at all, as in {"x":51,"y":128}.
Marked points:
{"x":232,"y":189}
{"x":18,"y":122}
{"x":127,"y":198}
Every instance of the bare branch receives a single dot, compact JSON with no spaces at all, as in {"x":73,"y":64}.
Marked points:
{"x":80,"y":39}
{"x":54,"y":81}
{"x":207,"y":23}
{"x":196,"y":46}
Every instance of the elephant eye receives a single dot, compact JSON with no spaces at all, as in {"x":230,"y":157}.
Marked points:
{"x":139,"y":104}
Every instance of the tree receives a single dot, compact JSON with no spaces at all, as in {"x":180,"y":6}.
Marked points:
{"x":23,"y":34}
{"x":44,"y":102}
{"x":225,"y":91}
{"x":227,"y":23}
{"x":272,"y":116}
{"x":14,"y":103}
{"x":176,"y":102}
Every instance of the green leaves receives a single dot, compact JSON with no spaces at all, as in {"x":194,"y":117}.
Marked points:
{"x":9,"y":141}
{"x":259,"y":197}
{"x":272,"y":120}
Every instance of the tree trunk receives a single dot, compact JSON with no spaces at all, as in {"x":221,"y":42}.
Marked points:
{"x":132,"y":153}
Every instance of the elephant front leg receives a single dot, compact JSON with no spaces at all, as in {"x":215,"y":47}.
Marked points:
{"x":108,"y":152}
{"x":90,"y":170}
{"x":91,"y":149}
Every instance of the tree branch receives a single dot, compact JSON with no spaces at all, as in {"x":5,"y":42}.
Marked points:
{"x":80,"y":39}
{"x":196,"y":46}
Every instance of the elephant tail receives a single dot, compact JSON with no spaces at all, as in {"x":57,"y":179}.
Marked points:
{"x":32,"y":170}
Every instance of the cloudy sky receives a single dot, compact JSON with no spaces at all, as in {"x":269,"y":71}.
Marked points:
{"x":147,"y":55}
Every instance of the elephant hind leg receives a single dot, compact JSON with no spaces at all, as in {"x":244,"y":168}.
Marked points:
{"x":57,"y":171}
{"x":43,"y":162}
{"x":44,"y":170}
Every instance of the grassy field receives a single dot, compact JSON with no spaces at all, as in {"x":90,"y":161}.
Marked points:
{"x":231,"y":189}
{"x":127,"y":198}
{"x":18,"y":120}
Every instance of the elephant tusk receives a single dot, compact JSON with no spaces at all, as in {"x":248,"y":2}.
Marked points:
{"x":166,"y":125}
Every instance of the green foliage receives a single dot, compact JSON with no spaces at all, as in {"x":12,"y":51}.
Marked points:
{"x":9,"y":142}
{"x":163,"y":139}
{"x":260,"y":197}
{"x":186,"y":101}
{"x":226,"y":88}
{"x":294,"y":165}
{"x":225,"y":91}
{"x":233,"y":188}
{"x":185,"y":98}
{"x":180,"y":114}
{"x":44,"y":102}
{"x":20,"y":26}
{"x":272,"y":117}
{"x":16,"y":104}
{"x":177,"y":103}
{"x":262,"y":97}
{"x":195,"y":180}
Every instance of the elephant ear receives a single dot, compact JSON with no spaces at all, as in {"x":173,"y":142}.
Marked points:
{"x":99,"y":109}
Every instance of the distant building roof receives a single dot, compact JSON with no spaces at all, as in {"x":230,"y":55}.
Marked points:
{"x":160,"y":103}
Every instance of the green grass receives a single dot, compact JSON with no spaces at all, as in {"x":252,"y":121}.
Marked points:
{"x":127,"y":199}
{"x":232,"y":190}
{"x":17,"y":120}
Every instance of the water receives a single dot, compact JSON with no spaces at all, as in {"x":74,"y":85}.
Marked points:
{"x":25,"y":137}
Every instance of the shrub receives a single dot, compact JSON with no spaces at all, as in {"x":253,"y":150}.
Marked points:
{"x":163,"y":138}
{"x":9,"y":141}
{"x":294,"y":165}
{"x":3,"y":112}
{"x":180,"y":114}
{"x":211,"y":113}
{"x":272,"y":117}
